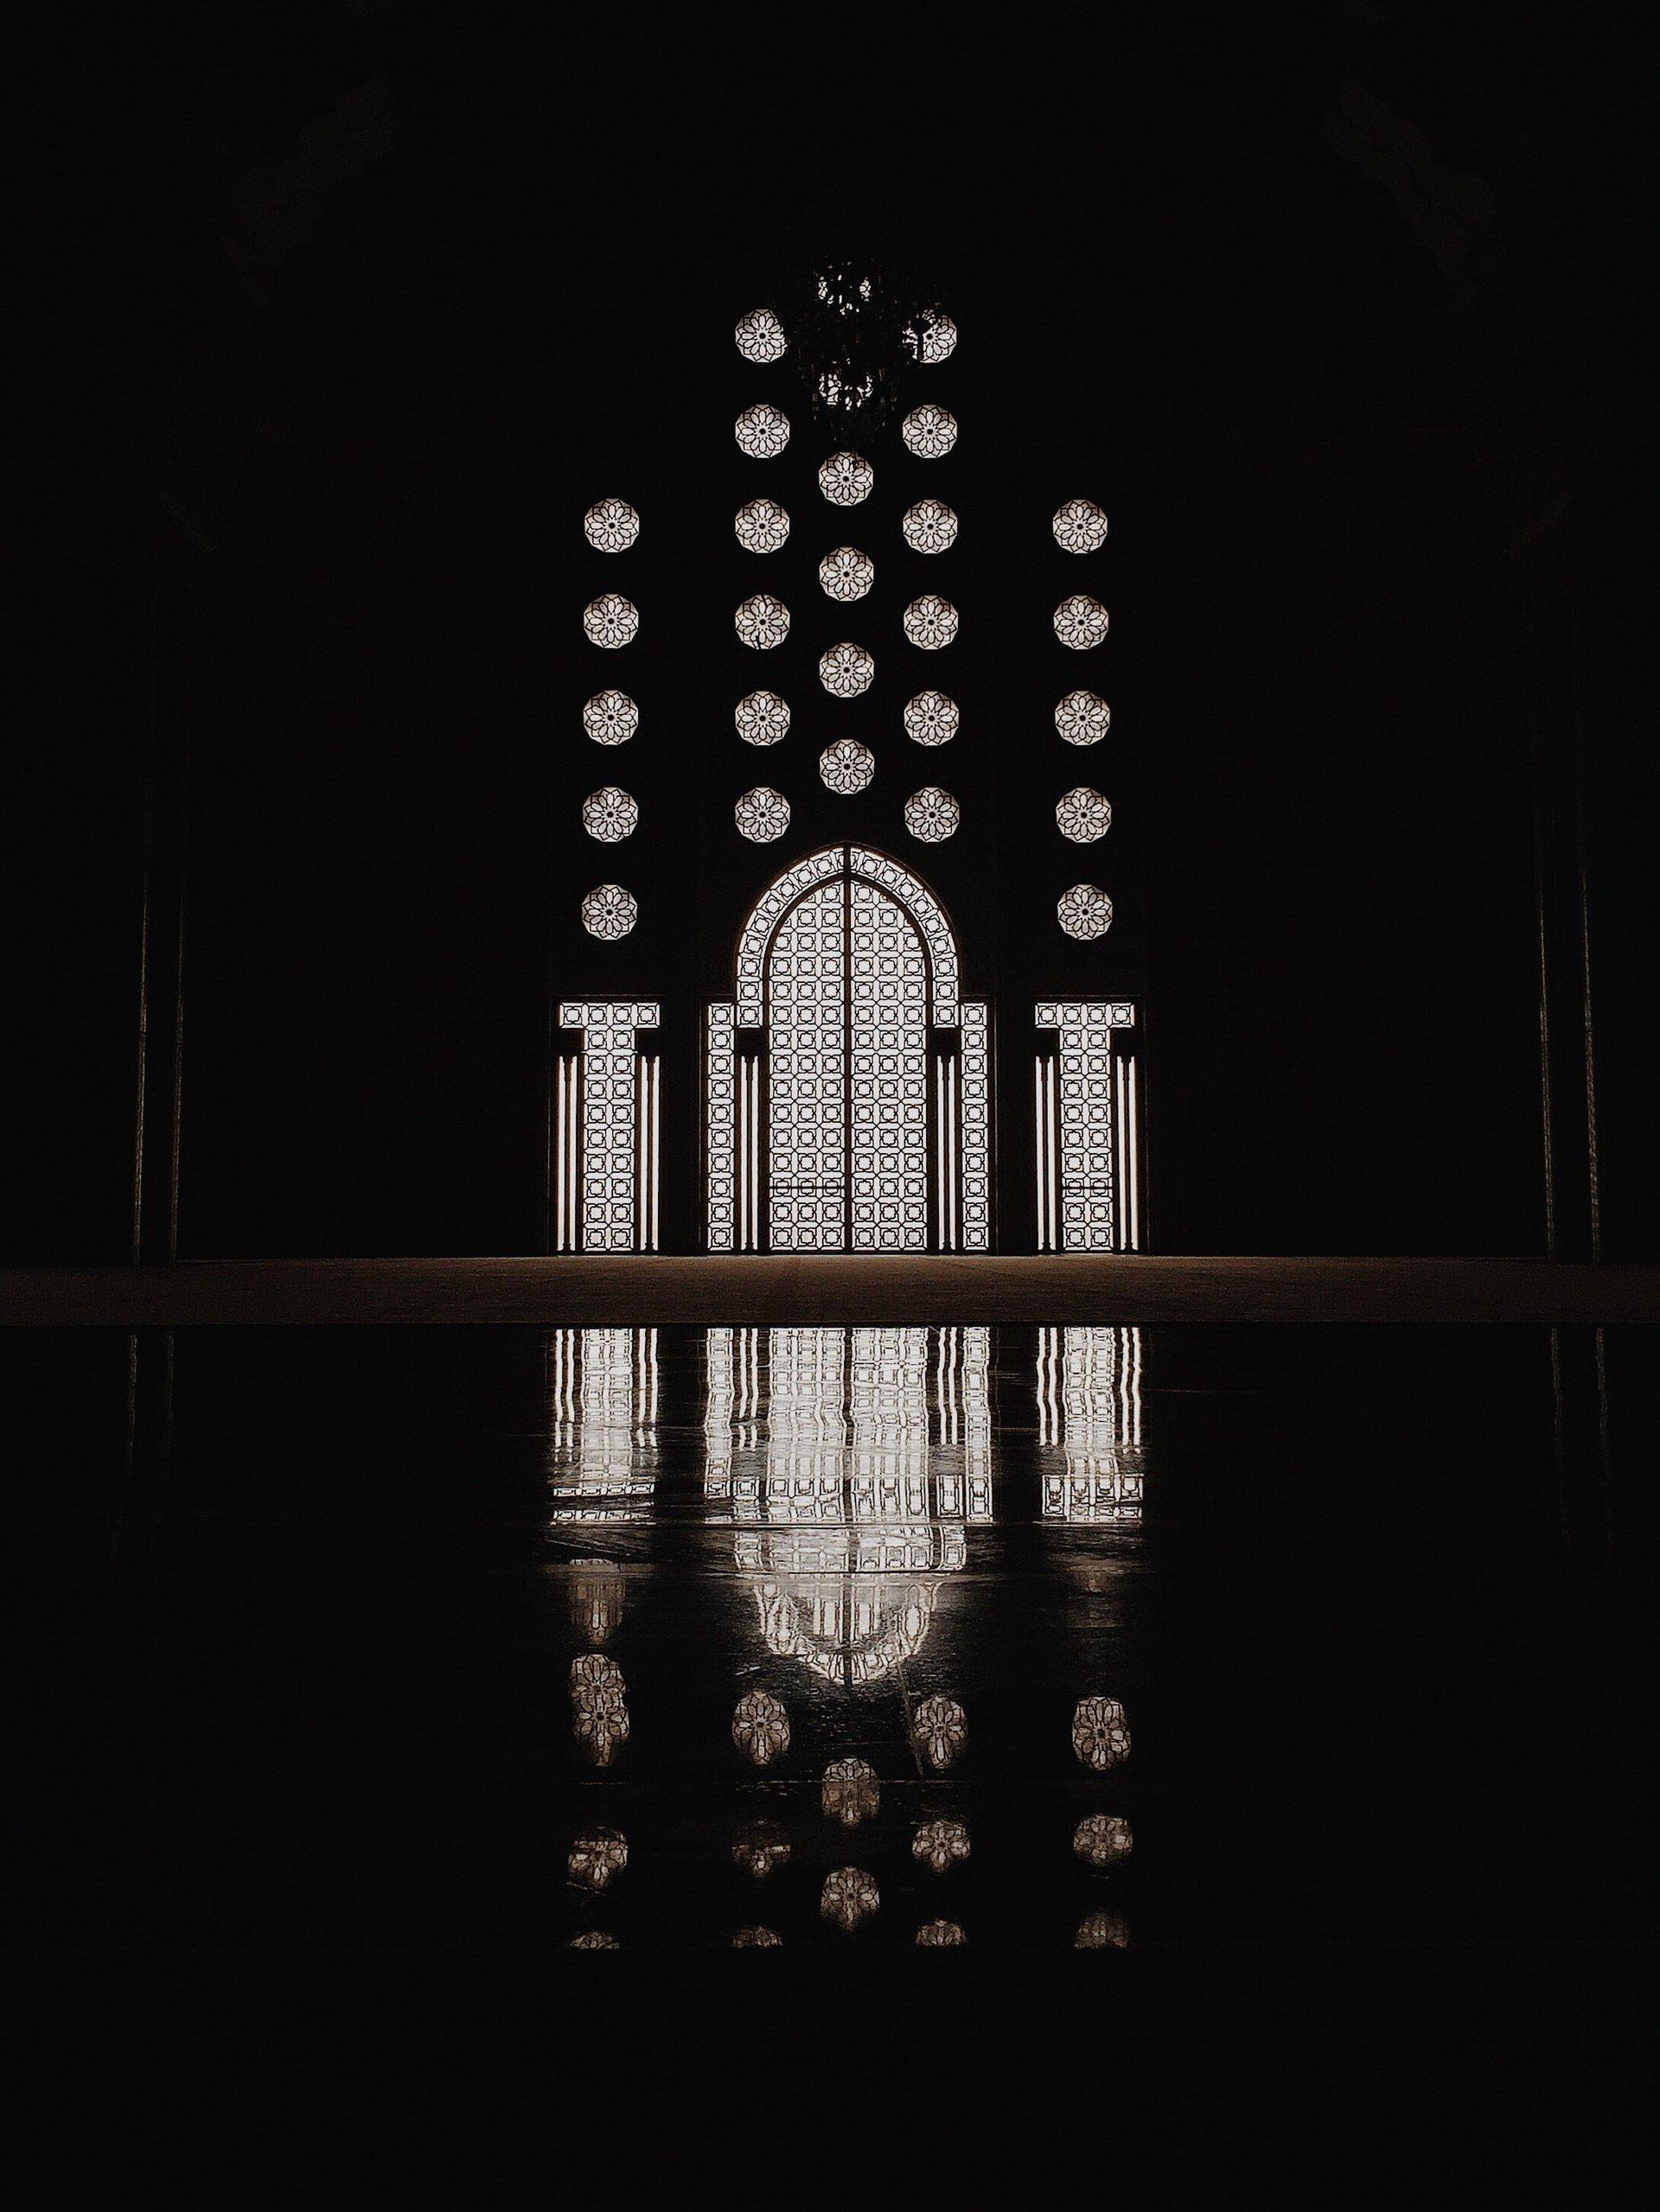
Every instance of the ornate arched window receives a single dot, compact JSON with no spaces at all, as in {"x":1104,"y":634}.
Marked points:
{"x":856,"y":1092}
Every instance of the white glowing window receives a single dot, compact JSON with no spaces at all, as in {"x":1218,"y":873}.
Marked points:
{"x":761,"y":525}
{"x":610,"y":620}
{"x":609,"y":912}
{"x":1081,"y":621}
{"x":610,"y":527}
{"x":760,"y":336}
{"x":975,"y":1089}
{"x":846,"y":767}
{"x":846,"y":479}
{"x":1079,"y":526}
{"x":720,"y":1073}
{"x":1084,"y":912}
{"x":931,"y":718}
{"x":761,"y":718}
{"x":847,"y":671}
{"x":933,"y":337}
{"x":1083,"y":717}
{"x":846,"y":574}
{"x":930,"y":432}
{"x":610,"y":717}
{"x":930,"y":621}
{"x":807,"y":1074}
{"x":610,"y":814}
{"x":762,"y":814}
{"x":1082,"y":815}
{"x":930,"y":526}
{"x":761,"y":431}
{"x":932,"y":815}
{"x":762,"y":622}
{"x":1082,"y":1147}
{"x":616,"y":1124}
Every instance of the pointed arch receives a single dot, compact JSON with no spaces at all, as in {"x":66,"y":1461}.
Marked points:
{"x":830,"y":864}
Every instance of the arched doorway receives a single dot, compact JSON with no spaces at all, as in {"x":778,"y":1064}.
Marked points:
{"x":848,"y":1082}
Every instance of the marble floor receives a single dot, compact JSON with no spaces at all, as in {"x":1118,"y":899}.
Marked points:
{"x":1180,"y":1680}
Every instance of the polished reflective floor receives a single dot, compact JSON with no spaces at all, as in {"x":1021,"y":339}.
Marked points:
{"x":1098,"y":1652}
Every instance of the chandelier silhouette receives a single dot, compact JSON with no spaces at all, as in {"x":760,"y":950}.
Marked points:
{"x":858,"y":330}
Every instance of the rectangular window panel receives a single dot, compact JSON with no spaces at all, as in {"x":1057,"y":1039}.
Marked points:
{"x":1084,"y":1118}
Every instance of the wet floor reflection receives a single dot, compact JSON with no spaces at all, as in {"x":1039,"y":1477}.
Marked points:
{"x":855,"y":1602}
{"x":695,"y":1639}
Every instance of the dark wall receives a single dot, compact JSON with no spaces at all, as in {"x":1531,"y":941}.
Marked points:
{"x":337,"y":330}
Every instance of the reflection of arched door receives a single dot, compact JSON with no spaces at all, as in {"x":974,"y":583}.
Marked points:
{"x":861,"y":1122}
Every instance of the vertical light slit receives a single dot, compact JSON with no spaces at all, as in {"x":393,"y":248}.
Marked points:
{"x":559,"y":1157}
{"x":1037,"y":1129}
{"x":1121,"y":1194}
{"x":1135,"y":1175}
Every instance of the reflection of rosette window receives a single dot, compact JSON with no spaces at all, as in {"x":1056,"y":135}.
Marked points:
{"x":939,"y":1935}
{"x":939,"y":1844}
{"x":849,"y":1895}
{"x":1100,"y":1735}
{"x":850,"y":1791}
{"x":940,"y":1729}
{"x":599,"y":1712}
{"x":757,"y":1939}
{"x":603,"y":1438}
{"x":761,"y":1847}
{"x":597,"y":1858}
{"x":761,"y":1727}
{"x":1103,"y":1841}
{"x":1089,"y":1425}
{"x":851,"y":1462}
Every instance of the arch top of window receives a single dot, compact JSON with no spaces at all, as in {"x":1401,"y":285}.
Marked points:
{"x":830,"y":864}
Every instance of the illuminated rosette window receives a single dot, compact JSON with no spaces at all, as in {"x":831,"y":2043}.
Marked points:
{"x":940,"y":1935}
{"x":1082,"y":815}
{"x":762,"y":815}
{"x":930,"y":526}
{"x":930,"y":621}
{"x":846,"y":479}
{"x":932,"y":338}
{"x":761,"y":718}
{"x":1084,"y":717}
{"x":761,"y":525}
{"x":761,"y":431}
{"x":930,"y":432}
{"x":1100,"y":1735}
{"x":610,"y":814}
{"x":610,"y":717}
{"x":609,"y":912}
{"x":846,"y":574}
{"x":760,"y":337}
{"x":846,"y":767}
{"x":762,"y":622}
{"x":1080,"y":526}
{"x":611,"y":526}
{"x":1084,"y":912}
{"x":931,"y":718}
{"x":1080,"y":621}
{"x":610,"y":620}
{"x":932,"y":815}
{"x":1103,"y":1841}
{"x":845,"y":671}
